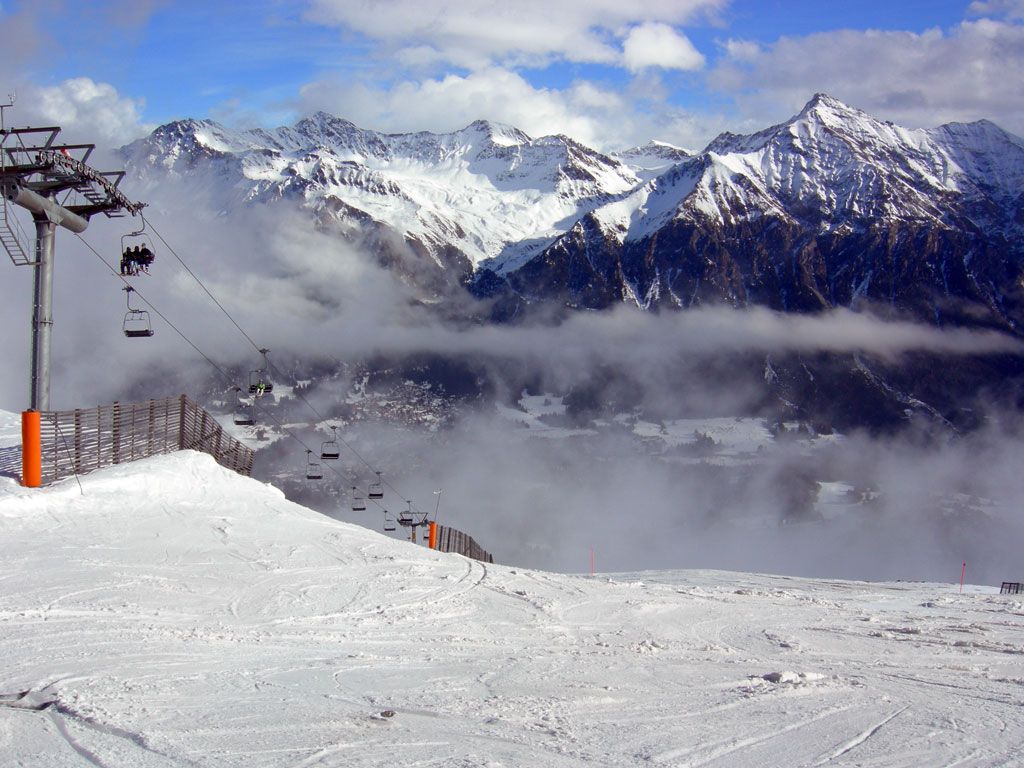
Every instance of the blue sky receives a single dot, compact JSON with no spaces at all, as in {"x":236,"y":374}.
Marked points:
{"x":609,"y":73}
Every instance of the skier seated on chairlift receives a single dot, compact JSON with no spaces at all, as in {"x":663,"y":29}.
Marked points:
{"x":145,"y":257}
{"x":261,"y":388}
{"x":135,"y":259}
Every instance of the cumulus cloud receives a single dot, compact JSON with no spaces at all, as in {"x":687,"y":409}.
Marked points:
{"x":476,"y":35}
{"x":975,"y":70}
{"x":658,"y":45}
{"x":587,"y":111}
{"x":86,"y":110}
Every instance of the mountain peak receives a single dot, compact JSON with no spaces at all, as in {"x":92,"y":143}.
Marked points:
{"x":324,"y":121}
{"x":499,"y":133}
{"x":823,"y":107}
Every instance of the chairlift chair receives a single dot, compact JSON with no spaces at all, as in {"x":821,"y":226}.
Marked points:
{"x":358,"y":502}
{"x":137,"y":252}
{"x":313,"y":469}
{"x":245,"y":417}
{"x":136,"y":323}
{"x":259,"y":381}
{"x":376,"y":490}
{"x":405,"y":517}
{"x":389,"y":522}
{"x":329,"y":450}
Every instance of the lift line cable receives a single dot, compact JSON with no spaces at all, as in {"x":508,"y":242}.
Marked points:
{"x":224,"y":374}
{"x":195,"y":277}
{"x":241,"y":330}
{"x":146,"y":301}
{"x":348,"y":445}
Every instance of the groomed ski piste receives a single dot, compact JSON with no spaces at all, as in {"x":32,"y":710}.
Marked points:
{"x":172,"y":613}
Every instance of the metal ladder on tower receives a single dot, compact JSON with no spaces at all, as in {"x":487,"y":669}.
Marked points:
{"x":13,"y":237}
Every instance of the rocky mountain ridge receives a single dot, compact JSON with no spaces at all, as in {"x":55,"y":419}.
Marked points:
{"x":832,"y":208}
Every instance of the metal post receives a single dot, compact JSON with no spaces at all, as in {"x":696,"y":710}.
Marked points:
{"x":42,"y":313}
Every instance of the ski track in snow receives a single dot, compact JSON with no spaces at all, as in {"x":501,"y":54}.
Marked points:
{"x":179,"y":615}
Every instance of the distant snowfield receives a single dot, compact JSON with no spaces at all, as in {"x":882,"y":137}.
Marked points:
{"x":175,"y":614}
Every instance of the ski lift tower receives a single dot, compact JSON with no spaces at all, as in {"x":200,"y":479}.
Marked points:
{"x":52,"y":181}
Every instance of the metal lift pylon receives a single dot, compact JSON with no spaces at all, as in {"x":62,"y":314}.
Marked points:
{"x":35,"y":169}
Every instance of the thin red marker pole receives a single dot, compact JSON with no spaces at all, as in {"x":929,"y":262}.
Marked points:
{"x":963,"y":570}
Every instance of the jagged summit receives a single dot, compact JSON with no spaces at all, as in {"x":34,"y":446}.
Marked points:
{"x":488,"y":198}
{"x":462,"y":198}
{"x":822,"y":104}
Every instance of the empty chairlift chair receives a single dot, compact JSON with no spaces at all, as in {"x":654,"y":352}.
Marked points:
{"x":358,"y":502}
{"x":405,"y":517}
{"x":313,"y":468}
{"x":389,"y":521}
{"x":329,"y":450}
{"x":245,"y":413}
{"x":136,"y":323}
{"x":376,"y":490}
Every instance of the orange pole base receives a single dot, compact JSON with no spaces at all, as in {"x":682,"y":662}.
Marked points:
{"x":432,"y":535}
{"x":31,"y":450}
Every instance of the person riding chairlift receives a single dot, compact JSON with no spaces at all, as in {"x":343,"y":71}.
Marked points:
{"x":145,"y":257}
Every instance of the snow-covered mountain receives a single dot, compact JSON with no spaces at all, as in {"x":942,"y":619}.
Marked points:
{"x":826,"y":209}
{"x":172,"y":613}
{"x":830,"y":208}
{"x":485,"y":195}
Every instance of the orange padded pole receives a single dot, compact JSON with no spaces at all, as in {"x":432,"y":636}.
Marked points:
{"x":31,"y":450}
{"x":432,"y":535}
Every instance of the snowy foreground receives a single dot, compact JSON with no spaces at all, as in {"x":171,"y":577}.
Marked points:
{"x":178,"y":614}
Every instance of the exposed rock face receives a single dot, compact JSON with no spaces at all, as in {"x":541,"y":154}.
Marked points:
{"x":832,"y":208}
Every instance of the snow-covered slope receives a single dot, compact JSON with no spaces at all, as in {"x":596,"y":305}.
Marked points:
{"x":173,"y":613}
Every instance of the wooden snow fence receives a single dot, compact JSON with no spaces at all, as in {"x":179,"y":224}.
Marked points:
{"x":452,"y":540}
{"x":84,"y":440}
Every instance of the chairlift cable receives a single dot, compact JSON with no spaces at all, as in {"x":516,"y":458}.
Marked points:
{"x":162,"y":316}
{"x":149,"y":304}
{"x":200,"y":282}
{"x":220,"y":370}
{"x":341,"y":440}
{"x":256,"y":346}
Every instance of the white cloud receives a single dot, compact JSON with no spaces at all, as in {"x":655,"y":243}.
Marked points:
{"x":975,"y":70}
{"x":1012,"y":9}
{"x":86,"y":110}
{"x":658,"y":45}
{"x":475,"y":34}
{"x":596,"y":116}
{"x":585,"y":111}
